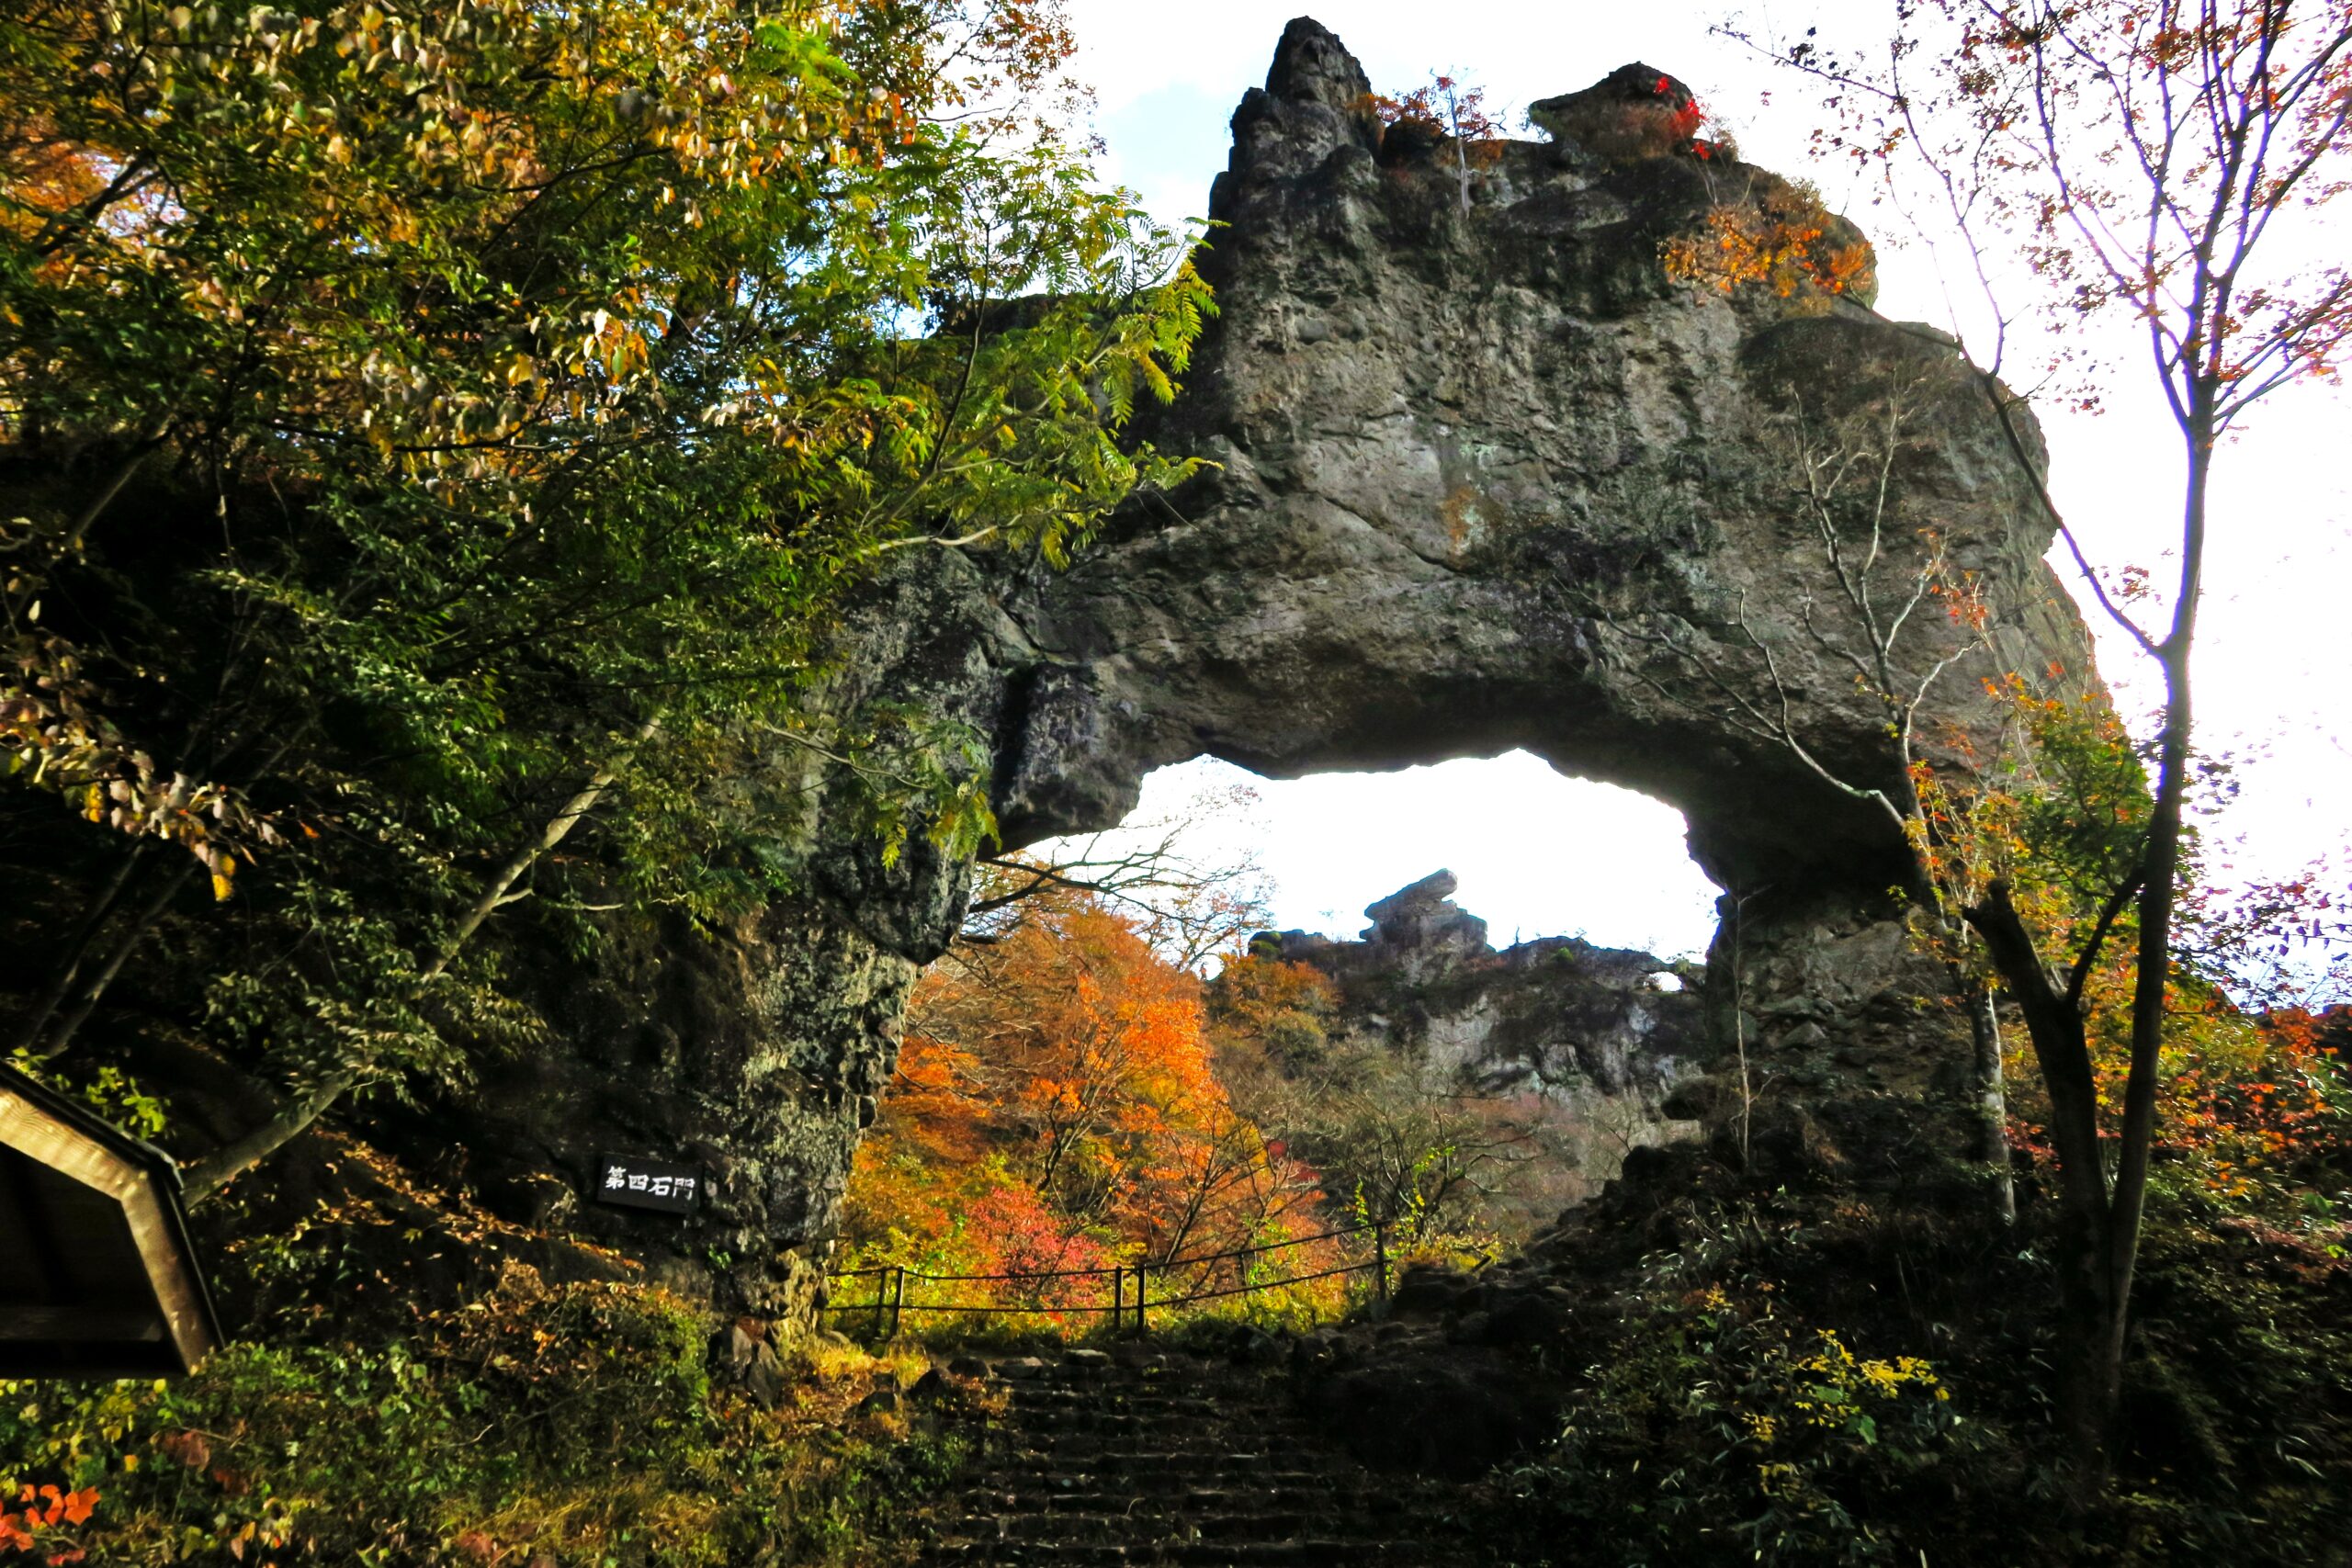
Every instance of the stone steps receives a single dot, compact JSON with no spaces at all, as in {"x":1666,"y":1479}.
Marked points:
{"x":1182,"y":1463}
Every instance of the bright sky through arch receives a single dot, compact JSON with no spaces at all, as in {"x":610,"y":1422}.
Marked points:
{"x":1537,"y":854}
{"x":2276,"y":645}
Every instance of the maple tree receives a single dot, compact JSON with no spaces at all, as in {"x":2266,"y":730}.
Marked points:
{"x":1056,"y":1107}
{"x":1450,"y":108}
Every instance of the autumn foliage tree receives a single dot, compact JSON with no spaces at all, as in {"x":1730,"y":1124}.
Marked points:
{"x":1056,"y":1106}
{"x":2161,"y":163}
{"x":1449,"y":109}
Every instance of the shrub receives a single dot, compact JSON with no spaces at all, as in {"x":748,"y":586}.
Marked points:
{"x":579,"y":1423}
{"x":1722,"y":1430}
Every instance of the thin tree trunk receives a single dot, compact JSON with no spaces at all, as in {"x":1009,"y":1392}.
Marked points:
{"x":224,"y":1165}
{"x":1992,"y":1100}
{"x":1739,"y":1024}
{"x":61,"y":1035}
{"x":105,"y":497}
{"x":68,"y":969}
{"x":2153,"y":973}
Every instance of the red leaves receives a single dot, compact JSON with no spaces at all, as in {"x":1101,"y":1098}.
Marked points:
{"x":1056,"y":1109}
{"x":1445,"y":105}
{"x":1688,"y":117}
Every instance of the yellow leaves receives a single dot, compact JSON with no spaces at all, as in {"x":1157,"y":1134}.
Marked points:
{"x":55,"y":733}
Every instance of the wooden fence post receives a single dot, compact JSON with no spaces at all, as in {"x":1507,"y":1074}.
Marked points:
{"x":1140,"y":1326}
{"x":898,"y":1299}
{"x":1380,"y":1256}
{"x":1118,"y":1297}
{"x":881,"y":1300}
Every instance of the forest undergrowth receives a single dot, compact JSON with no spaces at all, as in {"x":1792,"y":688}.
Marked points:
{"x":537,"y":1425}
{"x":1800,"y":1374}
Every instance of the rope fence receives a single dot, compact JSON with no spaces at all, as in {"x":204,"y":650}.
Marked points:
{"x":890,"y":1306}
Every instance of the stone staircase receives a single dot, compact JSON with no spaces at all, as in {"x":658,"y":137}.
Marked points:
{"x":1155,"y":1456}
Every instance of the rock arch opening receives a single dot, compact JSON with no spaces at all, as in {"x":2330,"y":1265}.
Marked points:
{"x":1540,"y":997}
{"x":1537,"y":854}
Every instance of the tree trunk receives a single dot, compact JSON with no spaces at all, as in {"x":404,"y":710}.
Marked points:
{"x":225,"y":1164}
{"x":68,"y":969}
{"x":2087,"y":1309}
{"x":61,"y":1035}
{"x":2153,"y":973}
{"x":1992,"y":1099}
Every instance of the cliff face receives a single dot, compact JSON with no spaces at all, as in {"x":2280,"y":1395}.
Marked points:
{"x":1577,"y":1046}
{"x":1470,"y":469}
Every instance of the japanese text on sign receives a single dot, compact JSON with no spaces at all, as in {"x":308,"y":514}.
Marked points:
{"x":647,"y":1184}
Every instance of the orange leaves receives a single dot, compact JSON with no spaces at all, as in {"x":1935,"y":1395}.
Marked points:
{"x":1446,"y":106}
{"x":1054,"y":1095}
{"x":1783,"y":242}
{"x":43,"y":1511}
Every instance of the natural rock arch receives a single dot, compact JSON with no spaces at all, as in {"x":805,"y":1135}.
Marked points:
{"x":1454,"y":453}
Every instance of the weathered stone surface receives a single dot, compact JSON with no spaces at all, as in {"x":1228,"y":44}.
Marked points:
{"x":1577,"y":1048}
{"x":1514,"y":430}
{"x":1463,"y":464}
{"x":1548,"y":1012}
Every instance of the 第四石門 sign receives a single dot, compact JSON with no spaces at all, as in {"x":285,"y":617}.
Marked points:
{"x":654,"y":1184}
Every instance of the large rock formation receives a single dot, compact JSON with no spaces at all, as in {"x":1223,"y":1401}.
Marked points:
{"x":1469,"y":467}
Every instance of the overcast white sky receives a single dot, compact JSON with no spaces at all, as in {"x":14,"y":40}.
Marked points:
{"x":1543,"y":854}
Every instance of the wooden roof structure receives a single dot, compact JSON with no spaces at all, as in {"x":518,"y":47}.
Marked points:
{"x":98,"y":1278}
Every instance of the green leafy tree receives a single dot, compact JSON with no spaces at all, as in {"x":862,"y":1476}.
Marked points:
{"x":424,"y":428}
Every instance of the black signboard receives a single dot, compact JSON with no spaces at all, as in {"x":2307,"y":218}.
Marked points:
{"x":648,"y":1184}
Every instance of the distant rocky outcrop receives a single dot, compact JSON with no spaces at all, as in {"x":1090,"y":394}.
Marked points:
{"x":1586,"y":1043}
